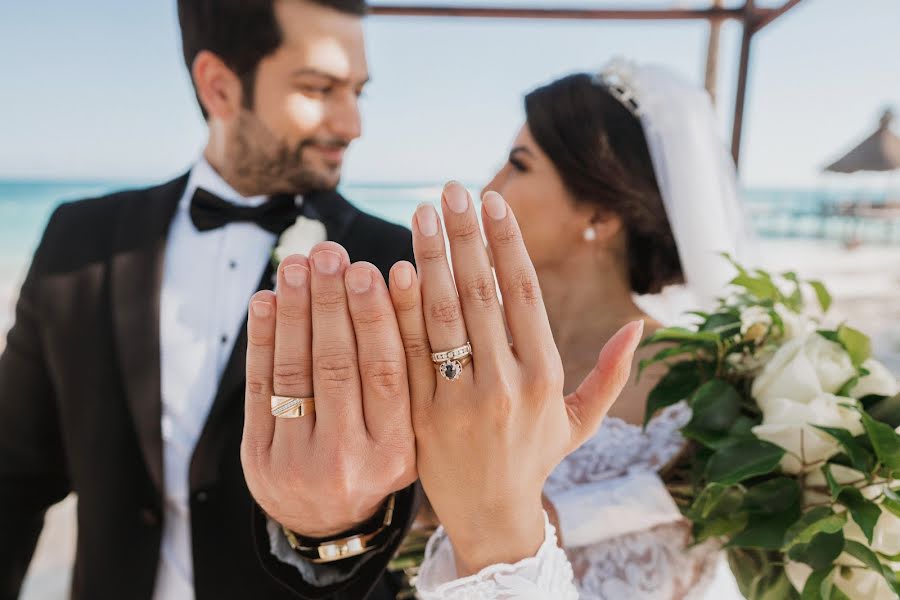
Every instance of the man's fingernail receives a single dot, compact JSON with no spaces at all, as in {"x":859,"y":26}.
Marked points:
{"x":327,"y":261}
{"x":359,"y":280}
{"x":296,"y":275}
{"x":427,"y":220}
{"x":457,"y":197}
{"x":494,"y":205}
{"x":402,"y":277}
{"x":261,"y":309}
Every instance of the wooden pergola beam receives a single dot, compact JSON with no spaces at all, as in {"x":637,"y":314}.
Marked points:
{"x":752,"y":17}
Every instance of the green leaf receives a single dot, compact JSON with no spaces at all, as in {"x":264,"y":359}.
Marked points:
{"x":856,"y":343}
{"x":864,"y":512}
{"x":715,"y":406}
{"x":814,"y":584}
{"x":725,"y":525}
{"x":821,"y":519}
{"x":761,"y":286}
{"x":772,"y":496}
{"x":868,"y":558}
{"x":891,"y":502}
{"x":715,"y":499}
{"x":860,"y":458}
{"x":831,"y":336}
{"x":664,"y":354}
{"x":847,"y":387}
{"x":676,"y":385}
{"x":680,"y":334}
{"x":742,"y":460}
{"x":833,"y":486}
{"x":885,"y":441}
{"x":722,"y":323}
{"x":766,"y":531}
{"x":821,"y":294}
{"x":821,"y":551}
{"x":887,"y":411}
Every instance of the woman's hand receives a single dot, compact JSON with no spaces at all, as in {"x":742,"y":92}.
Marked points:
{"x":487,"y":441}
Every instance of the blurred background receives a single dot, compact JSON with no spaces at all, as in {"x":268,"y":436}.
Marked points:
{"x":95,"y":97}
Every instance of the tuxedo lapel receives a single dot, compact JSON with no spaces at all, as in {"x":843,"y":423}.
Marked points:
{"x":136,"y":279}
{"x":336,"y":214}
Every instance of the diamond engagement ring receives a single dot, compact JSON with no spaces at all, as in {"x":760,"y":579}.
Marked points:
{"x":450,"y":363}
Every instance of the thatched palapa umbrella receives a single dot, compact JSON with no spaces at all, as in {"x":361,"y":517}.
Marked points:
{"x":878,"y":152}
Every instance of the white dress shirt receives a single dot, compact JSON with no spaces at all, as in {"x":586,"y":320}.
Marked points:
{"x":207,"y":282}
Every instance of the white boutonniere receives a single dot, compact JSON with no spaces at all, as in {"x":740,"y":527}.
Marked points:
{"x":299,"y":238}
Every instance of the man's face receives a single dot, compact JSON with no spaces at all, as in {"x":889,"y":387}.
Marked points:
{"x":306,"y":103}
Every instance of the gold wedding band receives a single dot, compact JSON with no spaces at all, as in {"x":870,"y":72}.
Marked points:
{"x":288,"y":407}
{"x":450,"y":363}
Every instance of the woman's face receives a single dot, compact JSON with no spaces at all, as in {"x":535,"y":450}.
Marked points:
{"x":550,"y":220}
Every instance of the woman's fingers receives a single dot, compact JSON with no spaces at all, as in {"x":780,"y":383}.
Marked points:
{"x":292,"y":374}
{"x":382,"y":368}
{"x":523,"y":305}
{"x":259,"y":424}
{"x":474,"y":276}
{"x":588,"y":404}
{"x":443,"y":316}
{"x":407,"y":299}
{"x":335,"y":366}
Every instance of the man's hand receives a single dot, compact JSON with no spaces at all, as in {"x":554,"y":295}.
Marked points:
{"x":328,"y":332}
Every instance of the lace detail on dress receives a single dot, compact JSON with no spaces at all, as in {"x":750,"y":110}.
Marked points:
{"x":654,"y":560}
{"x":548,"y":574}
{"x":619,"y":448}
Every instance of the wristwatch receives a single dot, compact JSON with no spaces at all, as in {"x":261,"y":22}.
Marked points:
{"x":371,"y":535}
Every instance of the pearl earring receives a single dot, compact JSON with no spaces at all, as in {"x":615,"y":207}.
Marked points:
{"x":590,"y":234}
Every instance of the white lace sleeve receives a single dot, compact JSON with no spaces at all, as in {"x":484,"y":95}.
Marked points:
{"x":623,"y":533}
{"x":547,"y":574}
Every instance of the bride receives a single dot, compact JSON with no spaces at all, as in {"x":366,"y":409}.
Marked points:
{"x":622,"y":187}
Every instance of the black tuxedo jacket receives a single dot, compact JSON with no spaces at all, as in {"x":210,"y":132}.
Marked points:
{"x":80,"y":411}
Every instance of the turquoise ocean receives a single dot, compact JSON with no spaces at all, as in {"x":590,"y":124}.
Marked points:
{"x":776,"y":213}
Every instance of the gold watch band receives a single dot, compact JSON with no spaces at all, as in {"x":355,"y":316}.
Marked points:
{"x":347,"y":546}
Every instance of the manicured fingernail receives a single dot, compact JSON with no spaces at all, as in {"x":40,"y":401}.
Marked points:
{"x":457,"y":197}
{"x":359,"y":280}
{"x":261,"y":309}
{"x":327,"y":261}
{"x":494,"y":205}
{"x":637,"y":330}
{"x":426,"y":217}
{"x":296,"y":275}
{"x":402,"y":277}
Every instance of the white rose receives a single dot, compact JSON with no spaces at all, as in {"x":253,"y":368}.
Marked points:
{"x":842,"y":476}
{"x":879,"y":381}
{"x":862,"y":584}
{"x":885,"y":538}
{"x":795,"y":324}
{"x":300,"y":238}
{"x":803,"y":369}
{"x":755,"y":322}
{"x":788,"y":423}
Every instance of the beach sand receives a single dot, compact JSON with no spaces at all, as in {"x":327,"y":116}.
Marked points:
{"x":865,"y":283}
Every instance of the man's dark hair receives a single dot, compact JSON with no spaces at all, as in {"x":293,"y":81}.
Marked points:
{"x":599,"y":149}
{"x":240,"y":32}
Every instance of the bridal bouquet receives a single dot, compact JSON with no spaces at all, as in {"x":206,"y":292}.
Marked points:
{"x":793,"y":458}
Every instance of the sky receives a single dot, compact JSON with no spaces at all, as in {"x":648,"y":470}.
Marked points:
{"x":96,"y":89}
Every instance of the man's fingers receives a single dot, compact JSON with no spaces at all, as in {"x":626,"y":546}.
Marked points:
{"x":382,"y":366}
{"x":592,"y":400}
{"x":292,"y":375}
{"x":259,"y":424}
{"x":335,"y":366}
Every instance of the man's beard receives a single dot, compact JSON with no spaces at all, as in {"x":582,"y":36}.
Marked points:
{"x":261,"y":164}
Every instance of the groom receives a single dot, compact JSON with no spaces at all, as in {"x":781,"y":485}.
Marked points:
{"x":123,"y":376}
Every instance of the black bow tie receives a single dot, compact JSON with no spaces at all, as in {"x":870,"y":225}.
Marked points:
{"x":208,"y":211}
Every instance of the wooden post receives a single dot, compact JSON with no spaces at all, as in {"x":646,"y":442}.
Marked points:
{"x":712,"y":54}
{"x":749,"y":21}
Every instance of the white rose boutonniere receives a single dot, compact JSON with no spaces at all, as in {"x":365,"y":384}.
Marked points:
{"x":299,"y":238}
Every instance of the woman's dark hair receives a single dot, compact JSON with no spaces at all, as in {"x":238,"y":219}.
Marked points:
{"x":240,"y":32}
{"x":599,"y":149}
